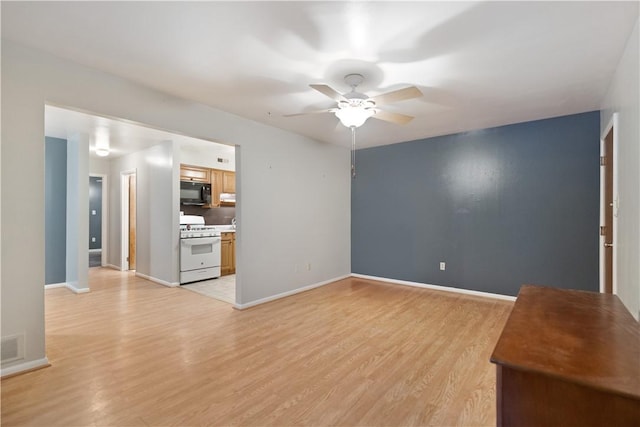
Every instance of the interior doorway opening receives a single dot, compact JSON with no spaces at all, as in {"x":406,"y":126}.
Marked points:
{"x":132,"y":149}
{"x":98,"y":199}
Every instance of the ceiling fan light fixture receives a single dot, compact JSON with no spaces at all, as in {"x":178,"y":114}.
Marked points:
{"x":354,"y":116}
{"x":102,"y":152}
{"x":354,"y":108}
{"x":101,"y":141}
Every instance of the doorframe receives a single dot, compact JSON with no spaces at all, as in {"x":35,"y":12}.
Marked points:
{"x":612,"y":125}
{"x":105,"y":216}
{"x":124,"y":217}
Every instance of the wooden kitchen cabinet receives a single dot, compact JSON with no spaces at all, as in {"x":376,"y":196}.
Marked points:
{"x":194,"y":173}
{"x":216,"y":187}
{"x":228,"y":182}
{"x":228,"y":254}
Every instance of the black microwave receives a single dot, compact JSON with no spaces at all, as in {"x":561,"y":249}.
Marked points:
{"x":195,"y":193}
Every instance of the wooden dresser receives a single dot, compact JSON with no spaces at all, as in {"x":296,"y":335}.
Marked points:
{"x":568,"y":358}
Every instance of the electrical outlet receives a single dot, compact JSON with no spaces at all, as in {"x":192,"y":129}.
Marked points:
{"x":308,"y":266}
{"x":93,"y":239}
{"x":443,"y":265}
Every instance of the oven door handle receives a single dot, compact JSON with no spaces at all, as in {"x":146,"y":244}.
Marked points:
{"x":200,"y":241}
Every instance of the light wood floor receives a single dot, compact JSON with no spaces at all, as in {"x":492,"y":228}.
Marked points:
{"x":352,"y":353}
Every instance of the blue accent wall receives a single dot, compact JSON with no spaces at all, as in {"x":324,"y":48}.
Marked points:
{"x":55,"y":194}
{"x":501,"y":207}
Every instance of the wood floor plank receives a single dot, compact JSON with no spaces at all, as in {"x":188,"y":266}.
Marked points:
{"x":355,"y":352}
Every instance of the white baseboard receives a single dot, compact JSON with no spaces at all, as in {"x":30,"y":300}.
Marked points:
{"x":26,"y":366}
{"x":114,"y":267}
{"x":73,"y":287}
{"x":437,"y":287}
{"x":55,"y":285}
{"x":159,"y":281}
{"x":288,"y":293}
{"x":79,"y":290}
{"x":93,"y":251}
{"x":69,"y":286}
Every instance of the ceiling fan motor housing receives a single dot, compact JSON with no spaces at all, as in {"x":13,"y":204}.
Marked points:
{"x":354,"y":80}
{"x":356,"y":100}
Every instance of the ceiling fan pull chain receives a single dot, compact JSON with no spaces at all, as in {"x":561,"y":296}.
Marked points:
{"x":353,"y":152}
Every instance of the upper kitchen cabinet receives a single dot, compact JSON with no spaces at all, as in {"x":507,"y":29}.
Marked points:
{"x":216,"y":187}
{"x":195,"y":173}
{"x":228,"y":182}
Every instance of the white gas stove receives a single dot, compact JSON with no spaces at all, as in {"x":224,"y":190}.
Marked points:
{"x":199,"y":250}
{"x":192,"y":231}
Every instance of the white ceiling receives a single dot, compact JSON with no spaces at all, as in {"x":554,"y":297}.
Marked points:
{"x":478,"y":64}
{"x":124,"y":137}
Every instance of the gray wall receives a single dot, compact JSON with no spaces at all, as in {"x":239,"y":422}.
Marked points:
{"x":157,"y":200}
{"x":77,"y":218}
{"x":95,"y":205}
{"x":55,"y":195}
{"x":269,"y":245}
{"x":502,"y":207}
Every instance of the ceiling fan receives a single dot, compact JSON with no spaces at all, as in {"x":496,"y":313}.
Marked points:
{"x":354,"y":108}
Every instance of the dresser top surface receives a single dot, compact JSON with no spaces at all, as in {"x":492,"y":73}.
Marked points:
{"x":583,"y":337}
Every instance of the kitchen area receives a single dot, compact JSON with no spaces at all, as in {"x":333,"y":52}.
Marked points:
{"x":207,"y":224}
{"x":167,"y":211}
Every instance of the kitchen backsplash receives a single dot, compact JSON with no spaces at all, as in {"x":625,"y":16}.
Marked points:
{"x":213,"y":216}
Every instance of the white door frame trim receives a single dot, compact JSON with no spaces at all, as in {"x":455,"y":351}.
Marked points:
{"x":613,"y":124}
{"x":124,"y":217}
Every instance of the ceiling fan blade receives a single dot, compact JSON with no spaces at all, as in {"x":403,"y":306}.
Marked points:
{"x":330,"y":92}
{"x":397,"y":95}
{"x":328,"y":110}
{"x":397,"y":118}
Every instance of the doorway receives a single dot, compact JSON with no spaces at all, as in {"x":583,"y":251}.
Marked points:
{"x":97,"y":220}
{"x":128,"y":185}
{"x":608,"y":207}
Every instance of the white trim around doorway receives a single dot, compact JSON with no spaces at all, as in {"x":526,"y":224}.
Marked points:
{"x":613,"y":124}
{"x":124,"y":218}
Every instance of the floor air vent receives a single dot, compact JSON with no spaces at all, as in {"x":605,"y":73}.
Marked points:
{"x":12,"y":348}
